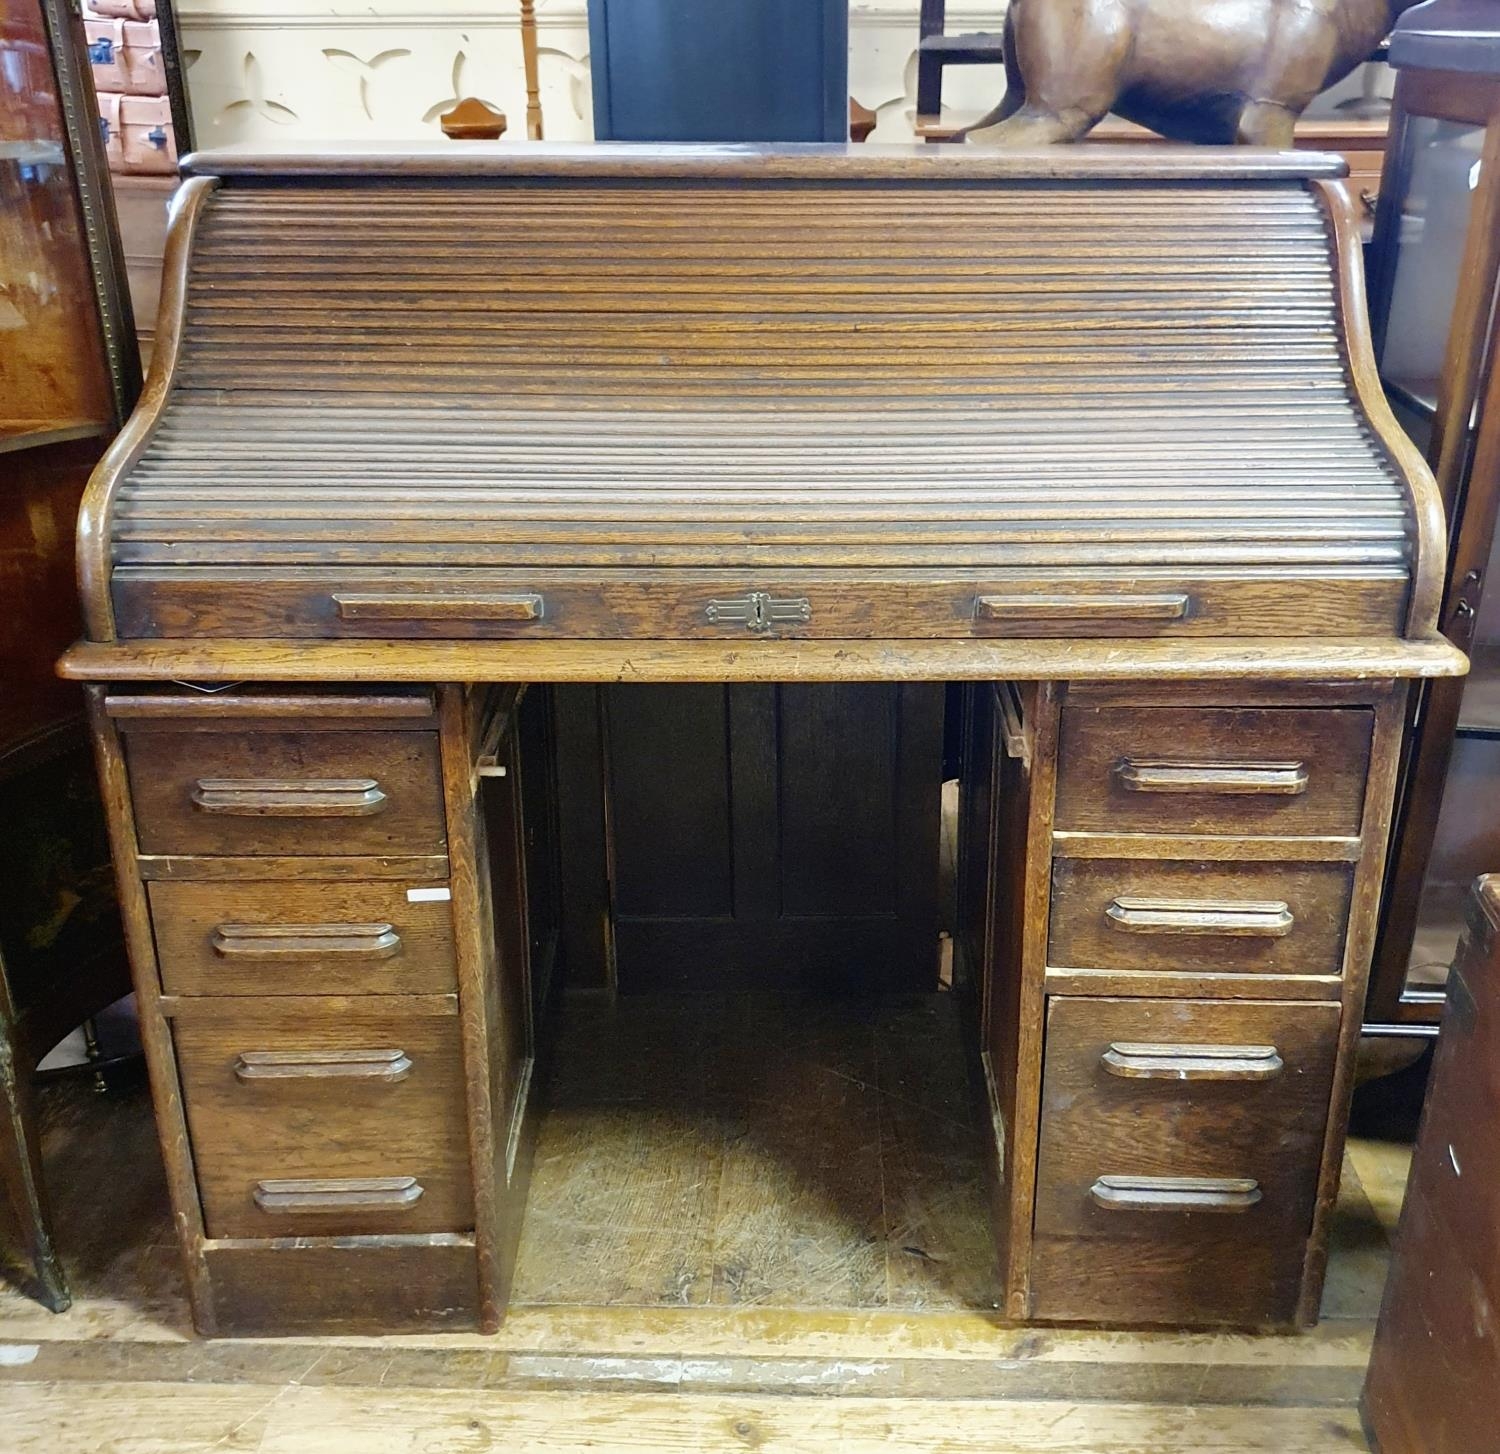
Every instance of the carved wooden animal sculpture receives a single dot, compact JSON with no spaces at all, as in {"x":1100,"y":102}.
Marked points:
{"x":1194,"y":70}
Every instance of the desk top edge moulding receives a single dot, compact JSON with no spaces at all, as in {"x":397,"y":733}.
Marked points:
{"x":1179,"y":334}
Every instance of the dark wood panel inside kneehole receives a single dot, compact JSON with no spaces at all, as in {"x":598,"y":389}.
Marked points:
{"x":753,"y":837}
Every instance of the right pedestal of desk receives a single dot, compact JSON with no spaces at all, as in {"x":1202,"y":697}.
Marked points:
{"x":1167,"y":900}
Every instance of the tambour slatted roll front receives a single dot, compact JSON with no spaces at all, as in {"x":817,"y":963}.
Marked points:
{"x":505,"y":399}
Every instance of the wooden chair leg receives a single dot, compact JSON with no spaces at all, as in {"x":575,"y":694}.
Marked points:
{"x":929,"y":66}
{"x":21,"y":1177}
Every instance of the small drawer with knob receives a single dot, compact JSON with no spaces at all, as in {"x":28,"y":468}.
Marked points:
{"x":285,"y":792}
{"x":1232,"y":771}
{"x":303,"y":938}
{"x":1211,"y":917}
{"x":1179,"y":1154}
{"x":332,"y":1128}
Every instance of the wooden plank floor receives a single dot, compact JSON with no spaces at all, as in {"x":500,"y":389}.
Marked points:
{"x":753,"y":1226}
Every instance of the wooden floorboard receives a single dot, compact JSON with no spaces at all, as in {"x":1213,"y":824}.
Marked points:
{"x":706,"y":1267}
{"x":303,"y":1420}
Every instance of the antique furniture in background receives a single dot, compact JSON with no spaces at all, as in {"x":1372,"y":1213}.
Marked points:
{"x":473,"y":120}
{"x":68,"y":376}
{"x":1437,"y":1344}
{"x":143,"y":105}
{"x":659,"y":416}
{"x":936,"y":50}
{"x":739,"y":70}
{"x":1434,"y":282}
{"x":1360,"y":141}
{"x":1213,"y":71}
{"x":529,"y":63}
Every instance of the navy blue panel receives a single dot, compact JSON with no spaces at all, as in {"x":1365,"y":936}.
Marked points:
{"x":720,"y":70}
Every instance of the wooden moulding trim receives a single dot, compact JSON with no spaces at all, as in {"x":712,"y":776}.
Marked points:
{"x":813,"y":162}
{"x":196,"y":868}
{"x":156,"y":1034}
{"x":170,"y":709}
{"x":1032,"y":1007}
{"x":1359,"y":943}
{"x":460,"y":807}
{"x":1166,"y":984}
{"x":96,"y":510}
{"x":1431,"y":547}
{"x":1270,"y":658}
{"x":251,"y":1011}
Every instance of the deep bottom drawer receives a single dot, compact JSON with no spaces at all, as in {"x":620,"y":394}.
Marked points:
{"x":330,"y":1129}
{"x":1181,"y":1143}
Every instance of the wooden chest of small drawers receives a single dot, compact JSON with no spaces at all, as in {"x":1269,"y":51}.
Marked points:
{"x":336,"y":1032}
{"x":1168,"y":1039}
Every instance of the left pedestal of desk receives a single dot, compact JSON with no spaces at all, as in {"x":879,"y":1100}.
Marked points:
{"x":335,"y":1009}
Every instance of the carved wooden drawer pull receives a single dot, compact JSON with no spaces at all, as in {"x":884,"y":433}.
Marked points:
{"x":1285,"y":779}
{"x":506,"y":606}
{"x":296,"y":1197}
{"x":387,"y":1066}
{"x":258,"y":797}
{"x":1133,"y":1061}
{"x":305,"y":941}
{"x":1133,"y":914}
{"x":1166,"y":606}
{"x":1175,"y":1193}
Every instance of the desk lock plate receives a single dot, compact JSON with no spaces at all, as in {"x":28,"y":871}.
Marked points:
{"x":759,"y":611}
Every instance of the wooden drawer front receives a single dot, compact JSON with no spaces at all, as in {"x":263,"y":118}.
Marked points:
{"x":334,"y":938}
{"x":1216,"y":770}
{"x":286,"y":792}
{"x":1180,"y":1148}
{"x":1210,"y":917}
{"x":465,"y":604}
{"x":330,"y":1129}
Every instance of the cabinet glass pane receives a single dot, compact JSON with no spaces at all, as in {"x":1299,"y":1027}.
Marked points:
{"x":52,"y":379}
{"x":1468,"y":835}
{"x":1442,"y":170}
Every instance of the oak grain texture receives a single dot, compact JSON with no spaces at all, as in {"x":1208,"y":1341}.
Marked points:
{"x":454,"y":426}
{"x":489,"y":907}
{"x":1132,"y":770}
{"x":156,"y":1036}
{"x":167,"y":768}
{"x":1265,"y":659}
{"x":1296,"y":915}
{"x":190,"y":920}
{"x":1436,"y":1328}
{"x":248,"y":1131}
{"x":345,"y":1285}
{"x":1114,"y":1262}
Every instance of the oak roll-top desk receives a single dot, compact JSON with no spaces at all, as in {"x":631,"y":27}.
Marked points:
{"x":423,"y":428}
